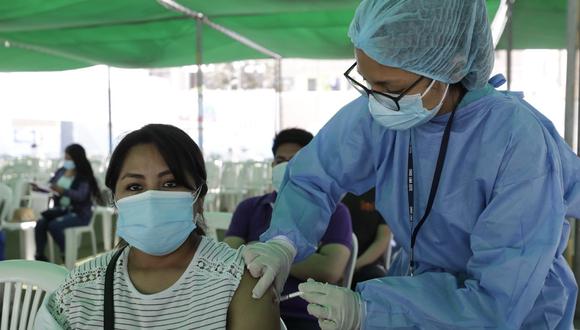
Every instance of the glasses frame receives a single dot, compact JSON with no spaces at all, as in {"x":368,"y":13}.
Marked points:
{"x":371,"y":92}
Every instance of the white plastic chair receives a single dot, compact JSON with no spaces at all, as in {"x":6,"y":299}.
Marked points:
{"x":38,"y":202}
{"x":26,"y":284}
{"x":106,"y":215}
{"x":349,"y":269}
{"x":282,"y":325}
{"x":231,"y":188}
{"x":389,"y":252}
{"x":217,"y":221}
{"x":25,"y":228}
{"x":72,"y":242}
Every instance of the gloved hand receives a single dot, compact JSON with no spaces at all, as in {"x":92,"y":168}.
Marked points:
{"x":336,"y":308}
{"x":271,"y":261}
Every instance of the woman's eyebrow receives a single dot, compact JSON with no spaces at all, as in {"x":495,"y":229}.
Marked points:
{"x":141,"y":176}
{"x":164,"y":173}
{"x":133,"y":175}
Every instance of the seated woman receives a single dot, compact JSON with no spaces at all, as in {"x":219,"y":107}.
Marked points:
{"x":74,"y":186}
{"x":165,"y":274}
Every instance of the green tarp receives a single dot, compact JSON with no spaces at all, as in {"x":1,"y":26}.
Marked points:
{"x":67,"y":34}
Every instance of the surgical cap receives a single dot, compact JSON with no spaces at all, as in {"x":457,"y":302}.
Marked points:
{"x":445,"y":40}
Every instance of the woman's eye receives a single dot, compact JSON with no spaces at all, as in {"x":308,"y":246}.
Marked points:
{"x":134,"y":187}
{"x":170,"y":184}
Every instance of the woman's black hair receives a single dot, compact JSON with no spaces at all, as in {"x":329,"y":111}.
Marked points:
{"x":83,"y":168}
{"x":180,"y":152}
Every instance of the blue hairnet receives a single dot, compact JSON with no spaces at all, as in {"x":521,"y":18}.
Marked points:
{"x":445,"y":40}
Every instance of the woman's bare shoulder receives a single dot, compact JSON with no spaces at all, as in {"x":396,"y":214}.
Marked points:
{"x":246,"y":312}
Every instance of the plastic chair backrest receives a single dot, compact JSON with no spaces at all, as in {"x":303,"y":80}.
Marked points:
{"x":38,"y":202}
{"x":217,"y":221}
{"x":5,"y":203}
{"x":213,"y":175}
{"x":349,"y":269}
{"x":26,"y":284}
{"x":389,"y":252}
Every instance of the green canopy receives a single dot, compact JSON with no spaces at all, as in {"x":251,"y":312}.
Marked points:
{"x":38,"y":35}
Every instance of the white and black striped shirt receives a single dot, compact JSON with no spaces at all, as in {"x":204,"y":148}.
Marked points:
{"x":198,"y":300}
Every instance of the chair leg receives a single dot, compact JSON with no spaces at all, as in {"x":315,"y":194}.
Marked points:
{"x":70,"y":247}
{"x":51,"y":250}
{"x":94,"y":242}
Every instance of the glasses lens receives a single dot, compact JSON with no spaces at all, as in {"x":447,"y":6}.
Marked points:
{"x":354,"y":75}
{"x":358,"y":88}
{"x":386,"y":102}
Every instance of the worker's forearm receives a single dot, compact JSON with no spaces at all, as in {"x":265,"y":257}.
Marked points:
{"x":317,"y":267}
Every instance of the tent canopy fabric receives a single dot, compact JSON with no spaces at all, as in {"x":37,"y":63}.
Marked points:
{"x":37,"y":35}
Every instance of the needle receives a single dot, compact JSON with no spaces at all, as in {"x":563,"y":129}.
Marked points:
{"x":291,"y":295}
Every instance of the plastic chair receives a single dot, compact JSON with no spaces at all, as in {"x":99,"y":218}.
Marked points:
{"x":106,"y":215}
{"x":72,"y":242}
{"x":231,"y":190}
{"x":282,"y":325}
{"x":26,"y":284}
{"x":25,"y":228}
{"x":389,"y":252}
{"x":349,"y":269}
{"x":217,"y":221}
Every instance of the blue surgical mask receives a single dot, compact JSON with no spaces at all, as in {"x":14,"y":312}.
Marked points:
{"x":69,"y":164}
{"x":156,"y":222}
{"x":278,"y":175}
{"x":412,"y":113}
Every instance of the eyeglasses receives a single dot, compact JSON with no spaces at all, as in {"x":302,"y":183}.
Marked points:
{"x":386,"y":100}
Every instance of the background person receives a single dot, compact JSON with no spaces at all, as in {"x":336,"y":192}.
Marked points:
{"x":74,"y":188}
{"x":373,"y":235}
{"x":327,"y":264}
{"x":168,"y":274}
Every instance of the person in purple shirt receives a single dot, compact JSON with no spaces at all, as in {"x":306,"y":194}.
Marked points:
{"x":252,"y":218}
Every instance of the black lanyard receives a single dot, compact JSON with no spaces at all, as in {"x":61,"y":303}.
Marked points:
{"x":432,"y":193}
{"x":109,"y":303}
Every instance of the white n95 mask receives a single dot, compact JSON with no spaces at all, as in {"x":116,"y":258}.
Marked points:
{"x":412,"y":113}
{"x":278,"y":172}
{"x":156,"y":222}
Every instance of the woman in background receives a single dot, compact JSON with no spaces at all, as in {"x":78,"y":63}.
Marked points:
{"x":74,"y":187}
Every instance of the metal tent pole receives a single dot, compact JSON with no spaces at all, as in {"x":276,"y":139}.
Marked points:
{"x":571,"y":118}
{"x":199,"y":80}
{"x":500,"y":20}
{"x":510,"y":43}
{"x":110,"y":112}
{"x":202,"y":19}
{"x":279,"y":120}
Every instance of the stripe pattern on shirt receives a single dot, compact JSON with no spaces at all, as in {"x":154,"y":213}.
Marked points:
{"x":199,"y":299}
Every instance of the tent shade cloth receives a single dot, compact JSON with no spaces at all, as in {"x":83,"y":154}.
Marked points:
{"x":37,"y":35}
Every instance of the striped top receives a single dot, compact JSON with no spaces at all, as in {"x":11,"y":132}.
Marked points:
{"x":199,"y":299}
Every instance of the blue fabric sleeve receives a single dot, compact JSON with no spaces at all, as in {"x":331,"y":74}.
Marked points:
{"x":80,"y":194}
{"x":513,"y":243}
{"x":569,"y":162}
{"x":337,"y":159}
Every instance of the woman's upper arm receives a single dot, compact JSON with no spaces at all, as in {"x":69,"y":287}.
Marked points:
{"x":248,"y":313}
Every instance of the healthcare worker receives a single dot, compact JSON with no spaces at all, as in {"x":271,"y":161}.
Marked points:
{"x":475,"y":184}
